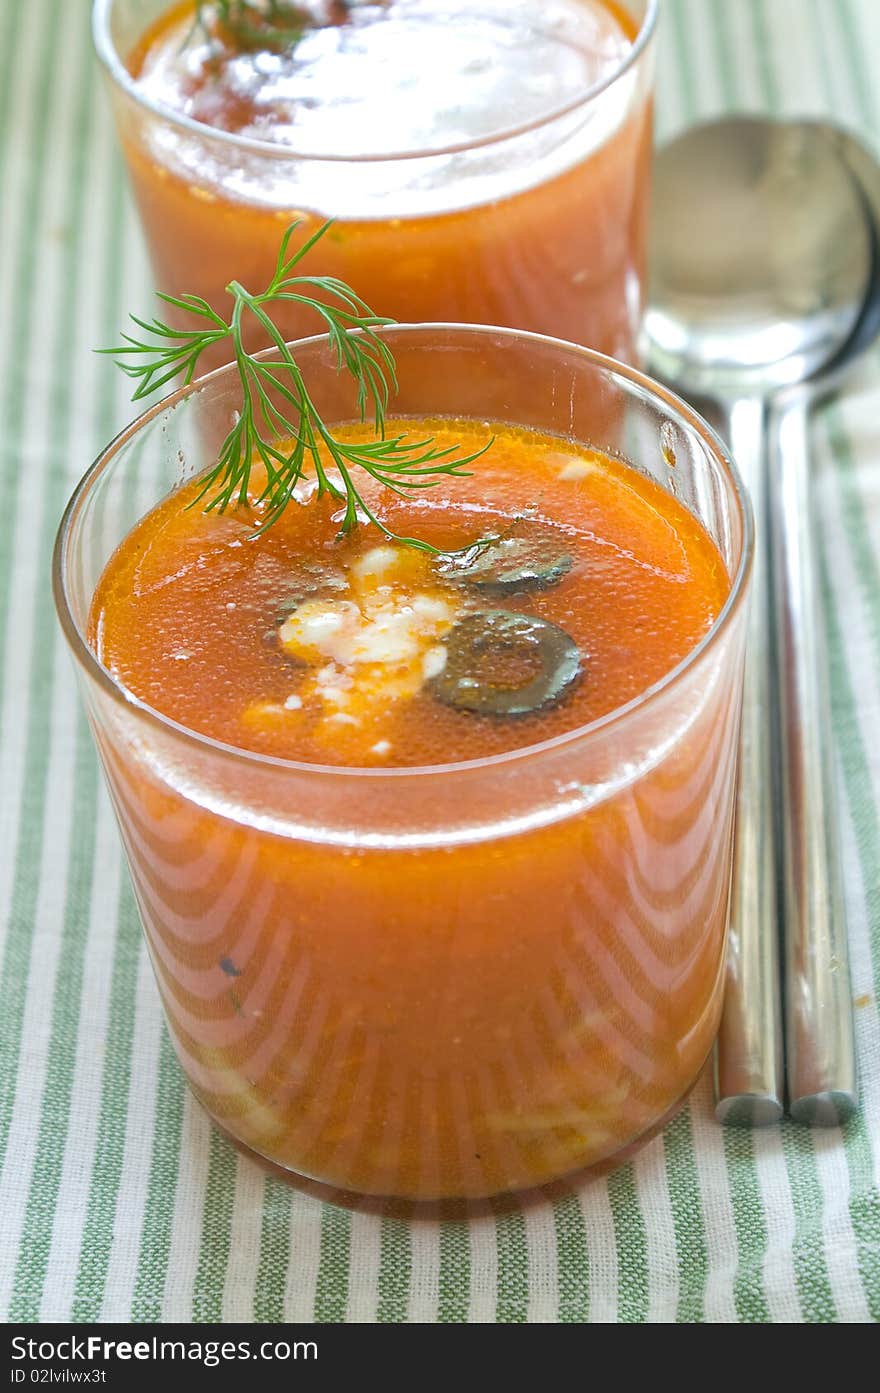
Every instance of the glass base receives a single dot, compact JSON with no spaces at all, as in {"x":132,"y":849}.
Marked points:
{"x":397,"y":1207}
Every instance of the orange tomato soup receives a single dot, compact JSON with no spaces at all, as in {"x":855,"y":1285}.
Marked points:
{"x":382,"y":1008}
{"x":395,"y":119}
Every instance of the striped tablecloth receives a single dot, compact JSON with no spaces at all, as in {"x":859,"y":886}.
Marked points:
{"x":117,"y":1199}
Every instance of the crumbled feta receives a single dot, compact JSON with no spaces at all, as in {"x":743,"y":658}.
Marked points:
{"x":379,"y":641}
{"x":577,"y":469}
{"x":376,"y":561}
{"x":434,"y":661}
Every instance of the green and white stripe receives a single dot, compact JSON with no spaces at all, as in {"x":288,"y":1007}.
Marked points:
{"x":118,"y":1200}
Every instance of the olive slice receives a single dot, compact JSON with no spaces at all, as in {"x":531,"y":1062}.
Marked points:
{"x":500,"y":663}
{"x":308,"y":580}
{"x":509,"y":564}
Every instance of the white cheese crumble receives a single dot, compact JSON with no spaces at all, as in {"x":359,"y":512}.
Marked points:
{"x":578,"y":469}
{"x":375,"y":643}
{"x":434,"y":661}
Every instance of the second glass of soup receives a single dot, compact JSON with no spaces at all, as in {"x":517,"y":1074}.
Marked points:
{"x":485,"y":161}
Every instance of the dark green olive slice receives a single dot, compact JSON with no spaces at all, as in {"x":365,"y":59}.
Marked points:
{"x":509,"y":564}
{"x":308,"y":579}
{"x":499,"y":663}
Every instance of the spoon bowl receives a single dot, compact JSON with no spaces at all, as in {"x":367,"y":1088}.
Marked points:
{"x":761,"y":256}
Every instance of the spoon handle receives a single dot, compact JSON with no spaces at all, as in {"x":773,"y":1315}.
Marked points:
{"x":748,"y":1058}
{"x":820,"y":1049}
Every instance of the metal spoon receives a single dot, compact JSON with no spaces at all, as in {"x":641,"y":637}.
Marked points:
{"x":762,"y":266}
{"x":820,"y":1064}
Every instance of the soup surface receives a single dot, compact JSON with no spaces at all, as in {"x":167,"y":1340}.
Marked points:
{"x":375,"y":79}
{"x":358,"y":650}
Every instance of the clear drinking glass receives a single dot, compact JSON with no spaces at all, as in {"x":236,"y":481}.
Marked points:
{"x":539,"y":225}
{"x":445,"y":982}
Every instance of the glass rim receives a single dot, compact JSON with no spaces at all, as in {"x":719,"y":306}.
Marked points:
{"x":675,"y":405}
{"x":115,"y":67}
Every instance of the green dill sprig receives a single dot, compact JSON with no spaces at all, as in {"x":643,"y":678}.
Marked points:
{"x":278,"y":423}
{"x":273,"y":24}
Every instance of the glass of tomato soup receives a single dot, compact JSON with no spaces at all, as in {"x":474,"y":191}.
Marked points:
{"x":432,"y":848}
{"x":485,"y":161}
